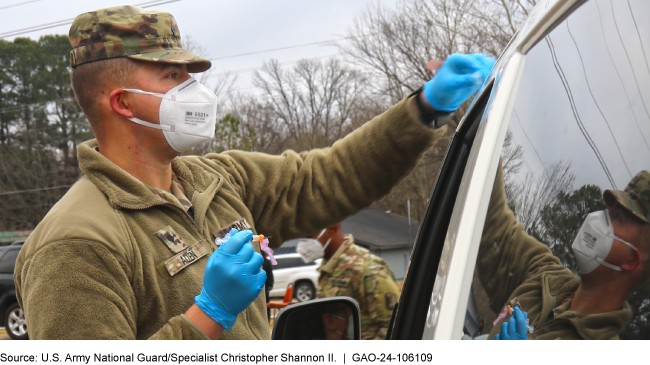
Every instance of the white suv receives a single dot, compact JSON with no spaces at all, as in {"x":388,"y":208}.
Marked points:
{"x":292,"y":269}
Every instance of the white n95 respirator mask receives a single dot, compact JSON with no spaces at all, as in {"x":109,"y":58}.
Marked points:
{"x":310,"y":249}
{"x":187,"y":114}
{"x":594,"y":241}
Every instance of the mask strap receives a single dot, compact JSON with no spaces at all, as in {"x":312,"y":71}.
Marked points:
{"x":320,"y":235}
{"x":624,"y":242}
{"x":614,"y":237}
{"x":606,"y":264}
{"x":142,"y":92}
{"x":147,"y":124}
{"x":169,"y":128}
{"x":327,"y":243}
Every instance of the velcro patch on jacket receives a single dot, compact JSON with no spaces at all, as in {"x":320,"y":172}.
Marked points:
{"x":186,"y":257}
{"x":390,"y":300}
{"x":171,"y":239}
{"x":240,"y":225}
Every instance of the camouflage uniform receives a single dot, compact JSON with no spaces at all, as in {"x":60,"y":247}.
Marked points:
{"x":516,"y":268}
{"x":354,"y":272}
{"x":177,"y":195}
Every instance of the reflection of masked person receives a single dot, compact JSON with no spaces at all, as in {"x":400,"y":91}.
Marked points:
{"x":594,"y":242}
{"x":612,"y":250}
{"x":339,"y":324}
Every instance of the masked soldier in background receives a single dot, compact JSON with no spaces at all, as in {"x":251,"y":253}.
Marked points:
{"x":129,"y":252}
{"x":352,"y":271}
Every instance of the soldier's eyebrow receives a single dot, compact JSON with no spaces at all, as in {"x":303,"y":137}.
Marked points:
{"x":170,"y":65}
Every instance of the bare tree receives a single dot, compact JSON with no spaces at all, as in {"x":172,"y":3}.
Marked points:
{"x":495,"y":22}
{"x":512,"y":161}
{"x":311,"y":103}
{"x":536,"y":192}
{"x":394,"y":45}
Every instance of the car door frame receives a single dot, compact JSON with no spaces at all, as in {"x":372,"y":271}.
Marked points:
{"x":444,"y":255}
{"x":411,"y":312}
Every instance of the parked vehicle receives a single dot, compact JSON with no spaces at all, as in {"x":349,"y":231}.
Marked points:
{"x":13,"y":318}
{"x":291,"y":269}
{"x":565,"y":110}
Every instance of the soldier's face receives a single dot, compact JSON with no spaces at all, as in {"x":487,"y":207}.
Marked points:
{"x":337,"y":324}
{"x":157,"y":78}
{"x":626,"y":225}
{"x":628,"y":228}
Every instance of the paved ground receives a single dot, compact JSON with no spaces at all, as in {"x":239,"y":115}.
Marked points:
{"x":3,"y":334}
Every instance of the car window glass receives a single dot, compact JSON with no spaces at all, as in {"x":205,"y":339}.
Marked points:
{"x":572,"y":176}
{"x":8,"y":262}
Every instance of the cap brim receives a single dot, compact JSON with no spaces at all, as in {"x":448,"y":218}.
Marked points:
{"x":195,"y":63}
{"x":612,"y":197}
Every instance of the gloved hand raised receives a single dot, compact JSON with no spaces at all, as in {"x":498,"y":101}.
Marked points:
{"x":233,"y":279}
{"x":459,"y":77}
{"x":515,"y":328}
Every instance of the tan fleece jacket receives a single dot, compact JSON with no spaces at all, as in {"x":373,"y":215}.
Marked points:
{"x":95,"y":268}
{"x":513,"y":265}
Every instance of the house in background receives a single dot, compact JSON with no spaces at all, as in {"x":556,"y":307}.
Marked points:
{"x":386,"y":235}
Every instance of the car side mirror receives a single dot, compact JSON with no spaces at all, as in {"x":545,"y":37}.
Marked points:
{"x":334,"y":318}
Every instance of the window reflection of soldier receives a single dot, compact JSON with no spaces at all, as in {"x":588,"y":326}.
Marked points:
{"x":338,"y":323}
{"x":331,"y":321}
{"x":514,"y":268}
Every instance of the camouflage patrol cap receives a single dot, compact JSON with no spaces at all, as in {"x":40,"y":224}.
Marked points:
{"x":129,"y":31}
{"x":635,"y":197}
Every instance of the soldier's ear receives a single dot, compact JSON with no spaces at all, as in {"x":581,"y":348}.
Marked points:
{"x":328,"y":321}
{"x":632,"y":261}
{"x":120,"y":104}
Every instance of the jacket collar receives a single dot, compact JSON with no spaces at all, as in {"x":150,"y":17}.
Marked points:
{"x":331,"y":264}
{"x":124,"y":190}
{"x":589,"y":327}
{"x":595,"y":326}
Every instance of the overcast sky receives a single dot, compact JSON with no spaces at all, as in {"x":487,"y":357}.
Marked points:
{"x":224,"y":28}
{"x":607,"y":74}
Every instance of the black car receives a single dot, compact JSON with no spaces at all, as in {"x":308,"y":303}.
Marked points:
{"x":13,"y":318}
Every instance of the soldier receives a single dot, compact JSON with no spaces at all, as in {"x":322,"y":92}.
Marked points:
{"x":612,"y":250}
{"x":352,"y":271}
{"x":129,"y":252}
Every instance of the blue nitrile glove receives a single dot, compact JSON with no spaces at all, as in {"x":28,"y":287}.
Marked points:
{"x":515,"y":328}
{"x":233,"y":279}
{"x":458,"y":78}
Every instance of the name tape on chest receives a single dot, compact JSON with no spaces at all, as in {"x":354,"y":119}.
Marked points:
{"x":240,"y":225}
{"x":186,"y":257}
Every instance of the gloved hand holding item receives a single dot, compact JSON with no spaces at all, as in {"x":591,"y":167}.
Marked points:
{"x":515,"y":328}
{"x":233,"y":279}
{"x":457,"y":79}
